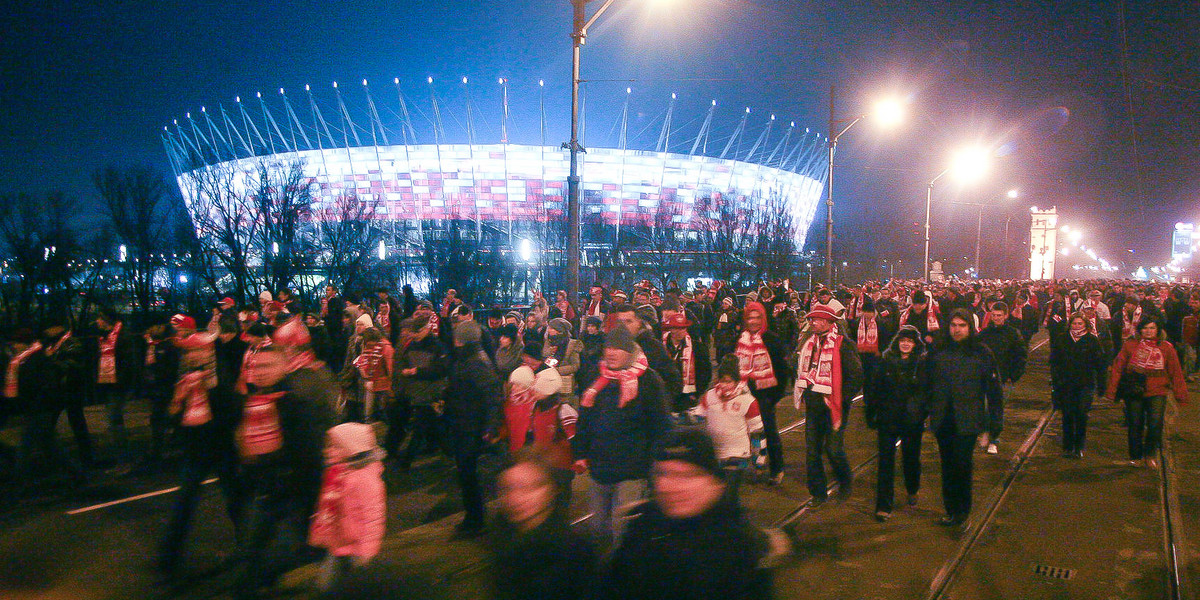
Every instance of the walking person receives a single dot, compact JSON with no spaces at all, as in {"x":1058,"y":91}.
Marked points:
{"x":1075,"y":362}
{"x":732,"y":418}
{"x":964,"y":397}
{"x":474,"y":397}
{"x":1011,"y":352}
{"x":421,"y":367}
{"x":828,"y":376}
{"x":622,"y":414}
{"x":117,"y":374}
{"x":1145,"y":370}
{"x":764,"y":369}
{"x":895,"y":396}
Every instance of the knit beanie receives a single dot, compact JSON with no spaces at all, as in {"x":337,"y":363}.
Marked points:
{"x":620,"y":339}
{"x":561,"y":325}
{"x":647,"y":313}
{"x":467,"y":332}
{"x":350,"y":439}
{"x":729,"y":367}
{"x":365,"y":321}
{"x":690,"y":445}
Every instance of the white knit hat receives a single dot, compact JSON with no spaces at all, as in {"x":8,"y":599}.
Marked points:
{"x":264,"y":296}
{"x":546,"y":383}
{"x":349,"y":439}
{"x":364,"y":320}
{"x":522,"y":377}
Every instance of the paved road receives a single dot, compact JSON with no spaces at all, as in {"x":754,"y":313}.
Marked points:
{"x":1066,"y":528}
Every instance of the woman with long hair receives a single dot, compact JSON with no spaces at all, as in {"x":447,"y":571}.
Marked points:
{"x":1144,"y":371}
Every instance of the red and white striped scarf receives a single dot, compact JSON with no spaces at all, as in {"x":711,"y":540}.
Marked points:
{"x":108,"y":356}
{"x":1148,"y":356}
{"x":370,"y":364}
{"x":627,"y":378}
{"x":384,"y":316}
{"x":868,"y":336}
{"x":260,"y":432}
{"x":755,"y":361}
{"x":685,"y":356}
{"x":931,"y":322}
{"x":1129,"y":325}
{"x":819,"y":371}
{"x":191,"y":398}
{"x":11,"y":382}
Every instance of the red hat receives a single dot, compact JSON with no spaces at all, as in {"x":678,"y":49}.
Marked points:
{"x":620,"y":294}
{"x":822,"y":311}
{"x":227,"y":300}
{"x":677,"y":321}
{"x":183,"y":322}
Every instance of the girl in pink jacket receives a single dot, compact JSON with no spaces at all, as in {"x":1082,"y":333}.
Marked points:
{"x":352,"y":510}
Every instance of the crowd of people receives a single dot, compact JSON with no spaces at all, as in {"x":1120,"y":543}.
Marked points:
{"x":665,"y":400}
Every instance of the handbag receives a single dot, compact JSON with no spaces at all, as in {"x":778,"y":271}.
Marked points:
{"x":1131,"y":385}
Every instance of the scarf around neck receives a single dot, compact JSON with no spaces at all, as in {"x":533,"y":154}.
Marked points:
{"x":685,"y":357}
{"x":108,"y":356}
{"x":755,"y":361}
{"x":627,"y":378}
{"x":820,"y":371}
{"x":1148,"y":356}
{"x":868,"y":336}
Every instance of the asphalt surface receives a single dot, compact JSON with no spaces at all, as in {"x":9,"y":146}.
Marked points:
{"x":1064,"y":528}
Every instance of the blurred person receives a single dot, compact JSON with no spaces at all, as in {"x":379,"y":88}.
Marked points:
{"x":535,"y":553}
{"x":564,"y":351}
{"x":421,"y":369}
{"x":1011,"y":352}
{"x":116,"y":378}
{"x":474,"y":397}
{"x":375,"y":364}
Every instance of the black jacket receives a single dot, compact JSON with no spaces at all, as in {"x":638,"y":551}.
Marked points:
{"x":474,"y":393}
{"x":660,"y":361}
{"x":896,"y":394}
{"x":783,"y":370}
{"x":715,"y":555}
{"x":551,"y":562}
{"x":617,"y":442}
{"x":1008,"y":348}
{"x":1077,"y":364}
{"x":964,"y":389}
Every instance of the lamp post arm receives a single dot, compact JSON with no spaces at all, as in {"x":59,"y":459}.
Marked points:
{"x":592,"y":21}
{"x":852,"y":123}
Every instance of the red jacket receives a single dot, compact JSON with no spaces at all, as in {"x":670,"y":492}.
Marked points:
{"x":1158,"y":383}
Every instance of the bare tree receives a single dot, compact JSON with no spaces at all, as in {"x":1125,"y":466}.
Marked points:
{"x":40,"y":238}
{"x":138,"y":206}
{"x":774,"y":237}
{"x":346,"y":235}
{"x":281,"y":200}
{"x":726,"y":234}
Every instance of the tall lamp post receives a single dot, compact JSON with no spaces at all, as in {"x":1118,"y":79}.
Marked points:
{"x":979,"y":206}
{"x":578,"y":37}
{"x":968,"y":165}
{"x":888,"y":113}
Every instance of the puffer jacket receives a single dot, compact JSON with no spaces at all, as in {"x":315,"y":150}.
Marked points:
{"x":352,"y":513}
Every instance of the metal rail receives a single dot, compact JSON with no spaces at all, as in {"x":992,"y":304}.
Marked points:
{"x":1172,"y":518}
{"x":945,"y":576}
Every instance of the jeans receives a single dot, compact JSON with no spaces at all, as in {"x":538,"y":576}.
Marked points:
{"x":823,"y":440}
{"x":767,"y":399}
{"x":910,"y":452}
{"x":206,"y":451}
{"x":1074,"y":404}
{"x":1144,"y":418}
{"x":957,"y":453}
{"x":604,"y":499}
{"x":733,"y":469}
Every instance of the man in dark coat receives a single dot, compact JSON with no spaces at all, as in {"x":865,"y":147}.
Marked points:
{"x":118,"y":369}
{"x":622,"y":414}
{"x":965,"y":396}
{"x":639,"y":326}
{"x":828,"y":377}
{"x":332,"y":306}
{"x":474,"y":397}
{"x":691,"y":540}
{"x":1010,"y":351}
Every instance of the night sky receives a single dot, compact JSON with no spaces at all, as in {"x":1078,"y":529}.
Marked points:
{"x":91,"y":84}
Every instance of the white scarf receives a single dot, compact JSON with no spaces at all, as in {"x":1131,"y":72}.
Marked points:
{"x":868,"y":335}
{"x":686,"y":359}
{"x":755,"y":361}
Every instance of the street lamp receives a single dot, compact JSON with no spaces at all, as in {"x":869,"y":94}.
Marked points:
{"x":1011,"y":194}
{"x":887,"y":113}
{"x":968,"y":165}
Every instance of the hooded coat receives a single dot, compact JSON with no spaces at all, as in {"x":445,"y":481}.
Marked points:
{"x":896,"y":394}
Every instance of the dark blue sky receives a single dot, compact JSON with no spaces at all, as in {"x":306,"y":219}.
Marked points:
{"x":85,"y":86}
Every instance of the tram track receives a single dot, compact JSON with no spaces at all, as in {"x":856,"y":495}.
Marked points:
{"x":1173,"y":528}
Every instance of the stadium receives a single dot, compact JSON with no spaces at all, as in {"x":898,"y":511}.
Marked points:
{"x":703,"y":199}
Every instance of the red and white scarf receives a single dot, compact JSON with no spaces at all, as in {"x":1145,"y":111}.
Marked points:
{"x":1148,"y":357}
{"x":931,"y":322}
{"x":686,"y":357}
{"x":370,"y":365}
{"x":594,"y":309}
{"x":627,"y":378}
{"x":384,"y":316}
{"x":755,"y":361}
{"x":108,"y":356}
{"x":868,"y":336}
{"x":819,"y":370}
{"x":191,"y":398}
{"x":11,"y":382}
{"x":260,"y":432}
{"x":1129,"y":325}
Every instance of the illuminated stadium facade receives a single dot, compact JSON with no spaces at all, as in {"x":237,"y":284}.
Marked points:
{"x":512,"y":195}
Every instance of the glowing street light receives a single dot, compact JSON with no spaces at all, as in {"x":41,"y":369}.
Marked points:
{"x":886,"y":113}
{"x":967,"y":165}
{"x":525,"y":250}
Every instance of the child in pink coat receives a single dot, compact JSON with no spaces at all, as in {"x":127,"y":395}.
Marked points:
{"x":352,"y":510}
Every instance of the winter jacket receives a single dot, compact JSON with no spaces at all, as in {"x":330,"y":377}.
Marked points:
{"x":1074,"y":365}
{"x":896,"y":394}
{"x":509,"y":358}
{"x":1008,"y":348}
{"x":352,"y":515}
{"x":617,"y":442}
{"x":715,"y":555}
{"x":306,"y":412}
{"x":568,"y":365}
{"x":589,"y":360}
{"x":474,"y":393}
{"x":128,"y":354}
{"x":1158,"y":383}
{"x":656,"y":355}
{"x":549,"y":562}
{"x":428,"y":357}
{"x":964,"y":389}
